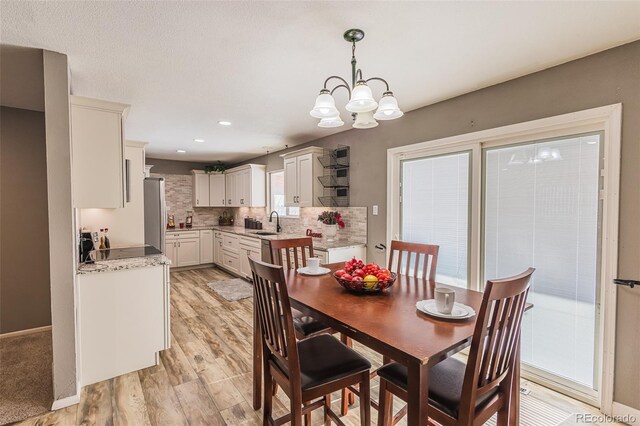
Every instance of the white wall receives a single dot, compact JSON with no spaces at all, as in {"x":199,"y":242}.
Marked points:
{"x":126,"y":225}
{"x":62,"y":249}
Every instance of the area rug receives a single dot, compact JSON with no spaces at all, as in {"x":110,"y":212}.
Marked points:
{"x":232,"y":290}
{"x":26,"y":387}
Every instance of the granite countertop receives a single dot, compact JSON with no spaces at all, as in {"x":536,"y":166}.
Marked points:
{"x":123,"y":264}
{"x":318,"y":243}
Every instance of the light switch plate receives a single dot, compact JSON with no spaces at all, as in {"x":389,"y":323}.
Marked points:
{"x":375,"y":210}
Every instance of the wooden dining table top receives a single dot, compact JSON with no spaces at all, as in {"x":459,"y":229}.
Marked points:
{"x":388,"y":321}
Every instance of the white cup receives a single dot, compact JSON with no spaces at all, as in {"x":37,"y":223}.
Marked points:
{"x":445,"y":298}
{"x":313,"y":263}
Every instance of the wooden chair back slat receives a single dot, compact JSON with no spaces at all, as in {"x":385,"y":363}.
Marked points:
{"x":295,"y":251}
{"x":495,"y":337}
{"x":271,"y":301}
{"x":425,"y":258}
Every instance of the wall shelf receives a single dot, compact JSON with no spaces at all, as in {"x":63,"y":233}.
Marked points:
{"x":335,"y":180}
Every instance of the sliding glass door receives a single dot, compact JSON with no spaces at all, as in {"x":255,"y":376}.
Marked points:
{"x":541,"y":209}
{"x":435,"y":210}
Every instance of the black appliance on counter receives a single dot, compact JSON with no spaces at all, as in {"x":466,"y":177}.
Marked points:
{"x":86,"y":246}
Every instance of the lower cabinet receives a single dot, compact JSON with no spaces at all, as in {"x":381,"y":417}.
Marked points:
{"x":206,"y":246}
{"x":122,"y":322}
{"x":341,"y":254}
{"x":217,"y":248}
{"x":183,"y":248}
{"x":231,"y":261}
{"x":249,"y":247}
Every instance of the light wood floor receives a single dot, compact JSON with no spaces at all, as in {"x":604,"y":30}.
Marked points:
{"x":205,"y":378}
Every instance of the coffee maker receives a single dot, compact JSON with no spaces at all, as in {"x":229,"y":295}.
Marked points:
{"x":86,"y":247}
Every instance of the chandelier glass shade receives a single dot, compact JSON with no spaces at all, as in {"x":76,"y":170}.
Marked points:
{"x":362,"y":103}
{"x":365,"y":120}
{"x":325,"y":106}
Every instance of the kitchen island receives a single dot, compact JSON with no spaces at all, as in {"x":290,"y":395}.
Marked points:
{"x":123,"y":315}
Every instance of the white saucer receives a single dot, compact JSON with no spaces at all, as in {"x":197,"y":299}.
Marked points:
{"x":319,"y":271}
{"x":459,"y":311}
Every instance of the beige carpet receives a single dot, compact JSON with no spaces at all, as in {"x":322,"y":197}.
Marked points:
{"x":25,"y":376}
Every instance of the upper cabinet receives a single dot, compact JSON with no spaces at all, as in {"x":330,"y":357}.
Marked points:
{"x":217,"y":190}
{"x":208,"y":189}
{"x":301,"y":171}
{"x":246,"y":186}
{"x":201,"y":188}
{"x":98,"y":167}
{"x":243,"y":186}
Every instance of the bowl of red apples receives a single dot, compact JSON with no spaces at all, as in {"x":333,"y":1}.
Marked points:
{"x":361,"y":278}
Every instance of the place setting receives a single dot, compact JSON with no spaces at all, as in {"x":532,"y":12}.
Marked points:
{"x":444,"y":306}
{"x":313,"y":268}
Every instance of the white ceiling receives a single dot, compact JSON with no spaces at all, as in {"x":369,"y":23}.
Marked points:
{"x":185,"y":65}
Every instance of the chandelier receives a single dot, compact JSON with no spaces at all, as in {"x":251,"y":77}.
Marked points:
{"x":361,"y":102}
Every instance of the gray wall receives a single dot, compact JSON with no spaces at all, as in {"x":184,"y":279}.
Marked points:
{"x":171,"y":167}
{"x":25,"y":300}
{"x":605,"y":78}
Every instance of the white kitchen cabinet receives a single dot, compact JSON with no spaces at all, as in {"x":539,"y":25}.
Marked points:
{"x":341,"y":254}
{"x":206,"y":246}
{"x":301,"y":171}
{"x":97,"y":142}
{"x":217,"y":190}
{"x":249,"y":247}
{"x":188,"y":251}
{"x":122,"y":322}
{"x":183,"y":248}
{"x":200,"y":188}
{"x":171,"y":251}
{"x":230,"y":261}
{"x":230,"y":190}
{"x":246,"y":186}
{"x":217,"y":247}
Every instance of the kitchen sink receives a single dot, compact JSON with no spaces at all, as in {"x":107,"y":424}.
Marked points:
{"x":265,"y":233}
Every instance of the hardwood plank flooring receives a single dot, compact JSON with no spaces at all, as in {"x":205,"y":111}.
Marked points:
{"x":205,"y":378}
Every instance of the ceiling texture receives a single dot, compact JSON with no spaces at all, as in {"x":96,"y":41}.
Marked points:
{"x":183,"y":66}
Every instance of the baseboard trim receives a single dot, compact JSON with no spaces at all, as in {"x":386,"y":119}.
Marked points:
{"x":65,"y":402}
{"x":626,"y":414}
{"x":25,"y":332}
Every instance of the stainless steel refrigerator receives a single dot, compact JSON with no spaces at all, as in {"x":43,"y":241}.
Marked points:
{"x":155,"y":213}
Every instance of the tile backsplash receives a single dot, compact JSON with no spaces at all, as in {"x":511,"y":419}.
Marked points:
{"x":355,"y":219}
{"x":179,"y":199}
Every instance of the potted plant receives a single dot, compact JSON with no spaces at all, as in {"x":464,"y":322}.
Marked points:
{"x":331,"y":221}
{"x":219,"y":167}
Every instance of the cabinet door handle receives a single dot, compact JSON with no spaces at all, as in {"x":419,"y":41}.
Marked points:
{"x":178,"y":244}
{"x":223,"y":202}
{"x":229,"y":200}
{"x":197,"y":202}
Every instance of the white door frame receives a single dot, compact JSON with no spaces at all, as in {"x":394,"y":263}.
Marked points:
{"x":607,"y":119}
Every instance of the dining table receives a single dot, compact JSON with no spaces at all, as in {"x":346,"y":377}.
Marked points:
{"x":389,"y":323}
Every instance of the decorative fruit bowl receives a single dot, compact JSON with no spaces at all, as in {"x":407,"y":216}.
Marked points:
{"x":361,"y":278}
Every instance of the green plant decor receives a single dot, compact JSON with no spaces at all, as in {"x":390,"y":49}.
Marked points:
{"x":215,"y":168}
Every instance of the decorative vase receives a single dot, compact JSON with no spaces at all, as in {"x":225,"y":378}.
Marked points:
{"x":330,"y":232}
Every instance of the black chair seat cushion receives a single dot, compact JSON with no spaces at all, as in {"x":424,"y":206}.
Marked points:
{"x":305,"y":324}
{"x":445,"y":384}
{"x":323,"y":359}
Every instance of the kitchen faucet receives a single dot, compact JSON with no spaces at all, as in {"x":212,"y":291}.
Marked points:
{"x":278,"y":227}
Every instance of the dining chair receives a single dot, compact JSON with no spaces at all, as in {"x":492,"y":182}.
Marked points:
{"x":470,"y":394}
{"x":424,"y":257}
{"x":293,"y":253}
{"x":306,"y":370}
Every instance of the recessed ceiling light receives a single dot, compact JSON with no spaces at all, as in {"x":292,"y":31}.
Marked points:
{"x":181,"y":151}
{"x":224,"y":123}
{"x":198,"y":140}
